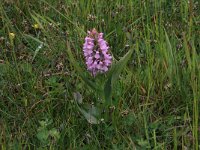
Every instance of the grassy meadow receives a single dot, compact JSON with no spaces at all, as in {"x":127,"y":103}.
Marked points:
{"x":149,"y":98}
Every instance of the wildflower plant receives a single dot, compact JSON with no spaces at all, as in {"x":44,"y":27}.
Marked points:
{"x":104,"y":70}
{"x":96,"y":52}
{"x":12,"y":37}
{"x":36,"y":26}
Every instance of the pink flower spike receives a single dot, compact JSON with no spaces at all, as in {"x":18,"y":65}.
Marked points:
{"x":96,"y":53}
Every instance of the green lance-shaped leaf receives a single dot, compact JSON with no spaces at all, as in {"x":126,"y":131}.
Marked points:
{"x":114,"y":74}
{"x":89,"y":116}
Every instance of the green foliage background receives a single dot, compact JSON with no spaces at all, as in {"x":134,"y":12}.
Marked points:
{"x":154,"y":101}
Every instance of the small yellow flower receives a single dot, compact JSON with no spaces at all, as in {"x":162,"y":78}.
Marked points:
{"x":11,"y":36}
{"x":36,"y":26}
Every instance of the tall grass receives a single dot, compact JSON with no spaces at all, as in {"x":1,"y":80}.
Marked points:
{"x":154,"y":101}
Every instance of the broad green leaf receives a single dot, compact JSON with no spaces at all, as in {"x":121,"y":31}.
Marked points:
{"x":78,"y":97}
{"x":88,"y":115}
{"x":43,"y":135}
{"x":90,"y":83}
{"x":114,"y":74}
{"x":92,"y":110}
{"x":119,"y":66}
{"x":54,"y":133}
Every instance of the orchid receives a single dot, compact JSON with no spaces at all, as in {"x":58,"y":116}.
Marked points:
{"x":96,"y":52}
